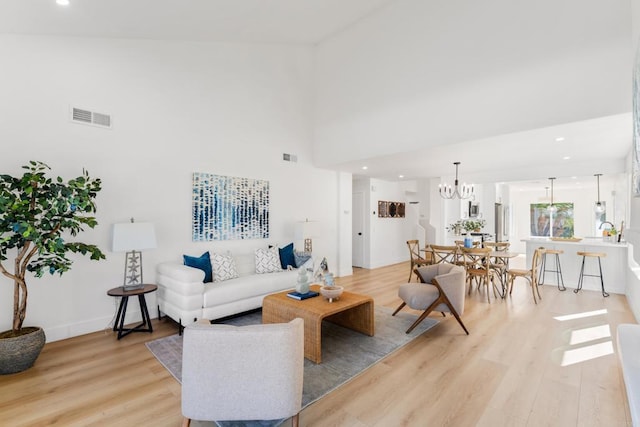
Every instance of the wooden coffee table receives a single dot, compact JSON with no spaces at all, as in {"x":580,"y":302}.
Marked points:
{"x":352,"y":311}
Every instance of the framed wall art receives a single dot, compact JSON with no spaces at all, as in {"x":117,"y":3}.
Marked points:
{"x":382,"y":209}
{"x":229,"y":208}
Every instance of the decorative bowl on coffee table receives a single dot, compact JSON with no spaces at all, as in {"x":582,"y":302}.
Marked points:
{"x":331,"y":293}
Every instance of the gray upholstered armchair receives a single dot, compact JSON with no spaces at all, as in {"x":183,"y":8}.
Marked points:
{"x":442,"y":289}
{"x":242,"y":373}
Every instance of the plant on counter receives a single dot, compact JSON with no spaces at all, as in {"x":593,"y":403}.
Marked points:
{"x":37,"y":215}
{"x":473,"y":224}
{"x":456,"y":227}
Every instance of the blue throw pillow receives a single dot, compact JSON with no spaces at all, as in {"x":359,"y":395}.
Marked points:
{"x":202,"y":262}
{"x":286,"y":257}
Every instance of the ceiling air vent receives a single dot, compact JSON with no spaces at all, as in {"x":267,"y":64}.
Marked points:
{"x":289,"y":157}
{"x":79,"y":115}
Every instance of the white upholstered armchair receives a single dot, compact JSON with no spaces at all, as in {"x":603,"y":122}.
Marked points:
{"x":441,"y":289}
{"x":242,"y":372}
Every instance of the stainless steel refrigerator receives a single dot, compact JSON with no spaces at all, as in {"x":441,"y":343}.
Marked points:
{"x":501,"y":223}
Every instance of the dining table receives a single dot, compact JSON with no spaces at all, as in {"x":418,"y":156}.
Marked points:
{"x":503,"y":257}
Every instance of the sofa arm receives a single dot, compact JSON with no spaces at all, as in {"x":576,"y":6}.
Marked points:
{"x":180,"y":291}
{"x":180,"y":273}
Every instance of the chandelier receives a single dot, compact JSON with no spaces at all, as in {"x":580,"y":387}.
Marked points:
{"x":462,"y":192}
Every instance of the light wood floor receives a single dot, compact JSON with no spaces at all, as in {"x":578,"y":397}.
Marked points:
{"x":507,"y":372}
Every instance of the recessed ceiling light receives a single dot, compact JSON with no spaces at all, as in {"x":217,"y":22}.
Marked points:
{"x":560,"y":139}
{"x":63,"y":2}
{"x":566,"y":158}
{"x":400,"y":176}
{"x":364,"y":168}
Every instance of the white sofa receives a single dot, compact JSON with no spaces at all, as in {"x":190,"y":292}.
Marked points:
{"x":628,"y":350}
{"x":183,"y":297}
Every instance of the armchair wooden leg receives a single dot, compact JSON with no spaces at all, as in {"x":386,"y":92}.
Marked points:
{"x":453,"y":311}
{"x":186,"y":422}
{"x":295,"y":420}
{"x":399,"y":308}
{"x":424,"y":314}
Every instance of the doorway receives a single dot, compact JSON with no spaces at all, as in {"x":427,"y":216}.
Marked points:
{"x":357,"y":252}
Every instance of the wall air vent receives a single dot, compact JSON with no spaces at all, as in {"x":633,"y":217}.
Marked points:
{"x":80,"y":115}
{"x":289,"y":157}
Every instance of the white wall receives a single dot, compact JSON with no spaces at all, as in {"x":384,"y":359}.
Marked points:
{"x":407,"y":77}
{"x":344,"y":218}
{"x":177,"y":108}
{"x":384,"y":238}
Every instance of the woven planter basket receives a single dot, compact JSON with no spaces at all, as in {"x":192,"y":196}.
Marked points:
{"x":18,"y":354}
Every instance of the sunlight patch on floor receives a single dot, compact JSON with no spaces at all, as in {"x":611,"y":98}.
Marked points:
{"x":581,"y":315}
{"x":583,"y":342}
{"x":581,"y":354}
{"x":580,"y":336}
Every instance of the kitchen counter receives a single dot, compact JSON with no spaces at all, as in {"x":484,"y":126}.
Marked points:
{"x":613,"y":265}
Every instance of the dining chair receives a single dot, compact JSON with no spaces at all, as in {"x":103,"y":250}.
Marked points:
{"x":531,"y":275}
{"x":497,"y":246}
{"x":448,"y":254}
{"x":478,"y":266}
{"x":499,"y":265}
{"x":417,"y":260}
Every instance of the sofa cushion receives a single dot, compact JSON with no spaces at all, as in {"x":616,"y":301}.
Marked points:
{"x":203,"y":262}
{"x":267,"y":260}
{"x":286,"y":257}
{"x":246,"y":287}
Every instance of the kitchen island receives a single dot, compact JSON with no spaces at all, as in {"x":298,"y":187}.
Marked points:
{"x":613,"y":265}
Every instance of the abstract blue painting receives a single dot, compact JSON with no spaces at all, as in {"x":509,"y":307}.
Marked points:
{"x":229,"y":208}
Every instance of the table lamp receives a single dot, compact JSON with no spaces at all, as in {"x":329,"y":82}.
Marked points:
{"x":306,"y":230}
{"x":131,"y":238}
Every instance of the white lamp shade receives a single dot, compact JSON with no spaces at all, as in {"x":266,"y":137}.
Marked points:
{"x":306,"y":229}
{"x":133,"y":236}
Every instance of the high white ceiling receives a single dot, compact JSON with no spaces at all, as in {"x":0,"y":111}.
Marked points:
{"x":253,"y":21}
{"x":599,"y":143}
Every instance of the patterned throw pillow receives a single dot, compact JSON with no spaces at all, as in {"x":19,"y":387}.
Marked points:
{"x":267,"y":261}
{"x":224,"y":267}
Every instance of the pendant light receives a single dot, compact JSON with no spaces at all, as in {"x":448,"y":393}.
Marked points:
{"x":599,"y":207}
{"x":462,"y":192}
{"x":552,"y":207}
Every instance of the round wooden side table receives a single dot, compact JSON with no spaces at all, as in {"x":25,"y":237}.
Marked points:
{"x":118,"y":325}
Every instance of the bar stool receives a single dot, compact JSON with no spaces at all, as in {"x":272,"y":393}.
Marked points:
{"x":558,"y":268}
{"x":584,"y":256}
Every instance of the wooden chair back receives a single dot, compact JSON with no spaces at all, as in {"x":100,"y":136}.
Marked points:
{"x":536,"y":263}
{"x":498,"y":246}
{"x":478,"y":265}
{"x":417,"y":260}
{"x":442,"y":253}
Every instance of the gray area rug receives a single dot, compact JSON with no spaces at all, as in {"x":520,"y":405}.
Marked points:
{"x":345,"y":353}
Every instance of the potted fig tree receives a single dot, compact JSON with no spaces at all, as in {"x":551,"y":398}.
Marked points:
{"x":38,"y":217}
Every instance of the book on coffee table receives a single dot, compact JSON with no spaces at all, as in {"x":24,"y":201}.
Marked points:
{"x":299,"y":296}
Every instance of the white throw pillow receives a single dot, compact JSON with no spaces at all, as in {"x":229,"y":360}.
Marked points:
{"x":267,"y":261}
{"x":223,"y":267}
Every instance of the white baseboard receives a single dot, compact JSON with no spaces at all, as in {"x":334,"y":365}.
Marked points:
{"x":94,"y":325}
